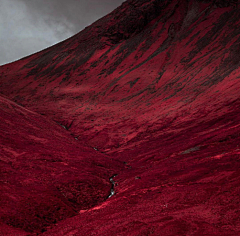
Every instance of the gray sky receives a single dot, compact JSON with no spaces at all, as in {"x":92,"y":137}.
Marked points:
{"x":27,"y":26}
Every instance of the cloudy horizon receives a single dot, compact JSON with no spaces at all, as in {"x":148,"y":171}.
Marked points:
{"x":29,"y":26}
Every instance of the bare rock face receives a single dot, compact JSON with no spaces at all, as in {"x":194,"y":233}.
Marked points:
{"x":148,"y":94}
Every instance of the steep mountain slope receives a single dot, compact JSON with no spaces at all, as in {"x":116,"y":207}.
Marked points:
{"x":155,"y":84}
{"x":152,"y":53}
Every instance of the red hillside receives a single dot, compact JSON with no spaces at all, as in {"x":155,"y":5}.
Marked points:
{"x":149,"y":93}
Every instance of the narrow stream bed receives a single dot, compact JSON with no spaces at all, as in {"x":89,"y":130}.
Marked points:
{"x":113,"y":185}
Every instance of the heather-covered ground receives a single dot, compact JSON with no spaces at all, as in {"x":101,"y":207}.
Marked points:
{"x":149,"y":93}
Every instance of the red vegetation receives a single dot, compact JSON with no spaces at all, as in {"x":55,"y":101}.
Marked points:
{"x":154,"y":88}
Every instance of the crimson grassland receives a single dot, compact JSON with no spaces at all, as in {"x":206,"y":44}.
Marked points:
{"x":149,"y":93}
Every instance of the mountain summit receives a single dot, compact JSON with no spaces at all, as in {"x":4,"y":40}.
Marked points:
{"x":130,"y":127}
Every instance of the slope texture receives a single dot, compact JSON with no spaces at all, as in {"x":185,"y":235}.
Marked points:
{"x":154,"y":85}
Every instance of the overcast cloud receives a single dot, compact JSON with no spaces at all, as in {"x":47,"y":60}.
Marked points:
{"x":27,"y":26}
